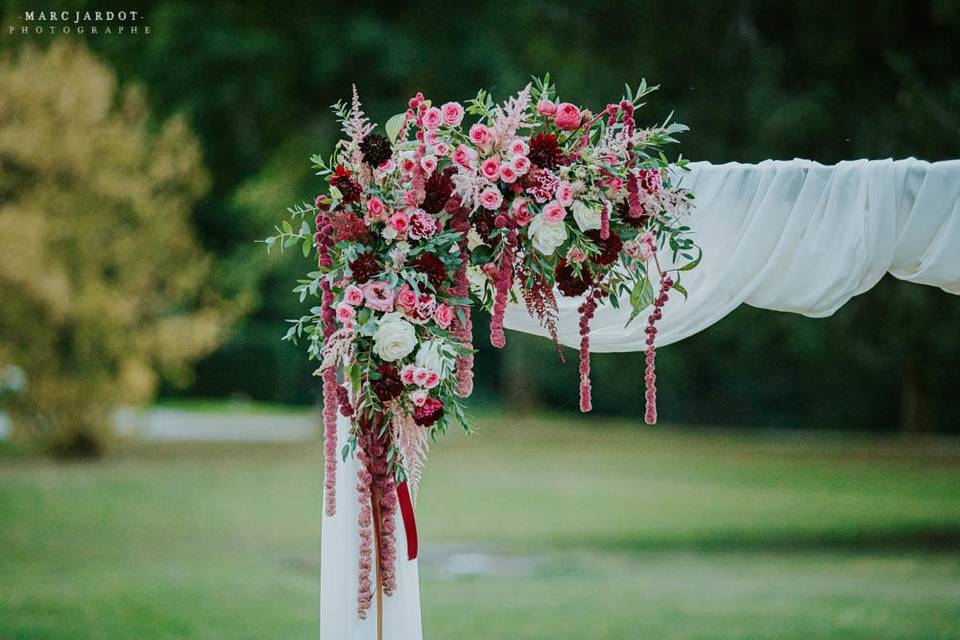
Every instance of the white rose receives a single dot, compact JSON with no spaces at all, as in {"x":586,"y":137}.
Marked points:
{"x":547,"y":236}
{"x":587,"y":217}
{"x":394,"y":338}
{"x":430,"y":356}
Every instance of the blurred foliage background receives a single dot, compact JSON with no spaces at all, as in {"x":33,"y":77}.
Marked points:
{"x":753,"y":79}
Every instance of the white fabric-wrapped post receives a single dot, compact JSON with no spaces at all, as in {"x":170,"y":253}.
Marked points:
{"x":784,"y":235}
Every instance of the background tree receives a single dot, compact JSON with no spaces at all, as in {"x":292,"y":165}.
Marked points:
{"x":102,"y":282}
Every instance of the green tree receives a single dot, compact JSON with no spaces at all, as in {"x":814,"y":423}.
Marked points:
{"x":102,"y":281}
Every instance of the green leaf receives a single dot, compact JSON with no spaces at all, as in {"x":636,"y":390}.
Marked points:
{"x":640,"y":298}
{"x":681,"y":290}
{"x":307,"y":247}
{"x":286,"y":227}
{"x":694,"y":263}
{"x":393,"y":126}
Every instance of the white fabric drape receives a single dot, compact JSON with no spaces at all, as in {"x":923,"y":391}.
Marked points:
{"x":339,"y":569}
{"x":785,"y":235}
{"x":794,"y":235}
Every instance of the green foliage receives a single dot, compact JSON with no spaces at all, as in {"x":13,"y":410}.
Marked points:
{"x":101,"y":276}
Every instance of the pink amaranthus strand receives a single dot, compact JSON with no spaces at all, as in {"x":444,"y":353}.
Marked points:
{"x":503,"y":284}
{"x":586,"y":310}
{"x":365,"y":525}
{"x":605,"y":221}
{"x":462,"y":330}
{"x":650,"y":376}
{"x":388,"y":540}
{"x":330,"y":386}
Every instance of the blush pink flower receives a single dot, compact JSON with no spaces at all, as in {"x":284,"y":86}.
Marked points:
{"x":431,"y":138}
{"x":520,"y":211}
{"x":508,"y":174}
{"x":546,"y":108}
{"x":399,"y":221}
{"x":464,"y":156}
{"x":480,"y":135}
{"x":420,"y":375}
{"x":647,"y":245}
{"x":631,"y":248}
{"x":345,"y":313}
{"x":432,"y":380}
{"x":576,"y":255}
{"x":352,"y":295}
{"x":452,"y":114}
{"x":491,"y":198}
{"x":443,"y":315}
{"x":554,"y":212}
{"x":567,"y":117}
{"x":376,"y":208}
{"x":521,"y":164}
{"x":418,"y":397}
{"x":432,"y":119}
{"x":426,"y":307}
{"x":429,"y":163}
{"x":565,"y":193}
{"x":406,"y":298}
{"x":378,"y":295}
{"x":490,"y":168}
{"x":442,"y":149}
{"x":518,"y":147}
{"x":406,"y":374}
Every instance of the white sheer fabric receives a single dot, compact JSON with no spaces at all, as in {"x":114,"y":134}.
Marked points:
{"x":794,"y":235}
{"x":339,"y":566}
{"x":786,"y":235}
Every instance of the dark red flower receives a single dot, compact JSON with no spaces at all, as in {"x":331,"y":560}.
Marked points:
{"x":439,"y":188}
{"x":349,"y":188}
{"x":429,"y":413}
{"x":388,"y":386}
{"x":609,"y":248}
{"x":347,"y":226}
{"x":484,"y":221}
{"x":433,"y":267}
{"x":569,"y":283}
{"x":376,"y":149}
{"x":364,"y":267}
{"x":545,"y":152}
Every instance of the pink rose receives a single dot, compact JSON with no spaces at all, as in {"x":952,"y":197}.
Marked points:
{"x":521,"y":164}
{"x":418,"y":397}
{"x":422,"y":225}
{"x":429,"y":163}
{"x":508,"y":174}
{"x":567,"y":117}
{"x":443,"y":315}
{"x":490,"y":168}
{"x":464,"y":156}
{"x":452,"y":114}
{"x":432,"y":380}
{"x":565,"y":193}
{"x":442,"y":149}
{"x":431,"y":137}
{"x":379,"y":296}
{"x":406,"y":374}
{"x":554,"y":212}
{"x":345,"y":313}
{"x":576,"y":255}
{"x":518,"y":147}
{"x":407,"y":165}
{"x":480,"y":135}
{"x":546,"y":108}
{"x":406,"y":298}
{"x":399,"y":221}
{"x":631,"y":248}
{"x":491,"y":198}
{"x":520,"y":212}
{"x":352,"y":295}
{"x":386,"y":166}
{"x":432,"y":119}
{"x":375,"y":208}
{"x":420,"y":375}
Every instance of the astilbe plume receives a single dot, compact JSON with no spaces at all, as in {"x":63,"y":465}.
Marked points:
{"x":504,"y":281}
{"x":414,"y":444}
{"x":462,"y":330}
{"x":510,"y":117}
{"x":650,"y":375}
{"x":357,"y":126}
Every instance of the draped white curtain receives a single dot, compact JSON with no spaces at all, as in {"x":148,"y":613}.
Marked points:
{"x":784,"y":235}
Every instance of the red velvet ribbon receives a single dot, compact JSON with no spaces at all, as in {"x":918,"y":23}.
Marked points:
{"x":409,"y":523}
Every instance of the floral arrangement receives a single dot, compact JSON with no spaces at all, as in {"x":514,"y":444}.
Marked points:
{"x":534,"y":198}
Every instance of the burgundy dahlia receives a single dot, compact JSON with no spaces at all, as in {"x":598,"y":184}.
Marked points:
{"x":347,"y":226}
{"x":429,"y":413}
{"x":545,"y":152}
{"x":349,"y":188}
{"x":364,"y":267}
{"x":439,"y":188}
{"x":484,"y":221}
{"x":432,"y":267}
{"x":569,"y":283}
{"x":388,"y":386}
{"x":609,"y":248}
{"x":376,"y":149}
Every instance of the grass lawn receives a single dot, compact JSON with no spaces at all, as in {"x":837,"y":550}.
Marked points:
{"x":599,"y":530}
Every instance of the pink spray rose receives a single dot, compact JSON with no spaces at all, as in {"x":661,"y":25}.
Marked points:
{"x":546,"y":108}
{"x":491,"y":198}
{"x":452,"y":114}
{"x":576,"y":255}
{"x":432,"y":119}
{"x":521,"y":164}
{"x":518,"y":147}
{"x":429,"y":163}
{"x":567,"y":117}
{"x":406,"y":374}
{"x":480,"y":135}
{"x":418,"y":397}
{"x":352,"y":295}
{"x":345,"y":313}
{"x":464,"y":156}
{"x":379,"y":296}
{"x":420,"y":375}
{"x":508,"y":174}
{"x":565,"y":193}
{"x":520,"y":212}
{"x":406,"y":298}
{"x":631,"y":248}
{"x":490,"y":168}
{"x":554,"y":212}
{"x":399,"y":221}
{"x":443,"y":315}
{"x":432,"y":380}
{"x":376,"y":208}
